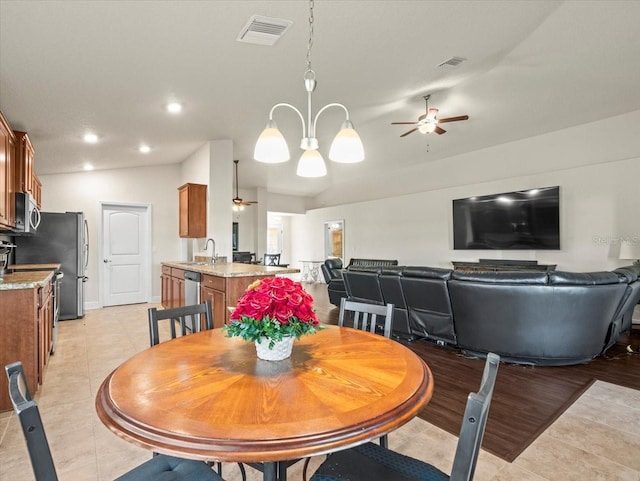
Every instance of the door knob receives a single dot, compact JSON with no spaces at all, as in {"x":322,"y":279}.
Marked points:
{"x":106,"y":260}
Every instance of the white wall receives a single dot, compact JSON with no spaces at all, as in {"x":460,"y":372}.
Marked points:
{"x":195,"y":170}
{"x":596,"y":167}
{"x":246,"y":219}
{"x":212,"y":165}
{"x":156,"y":186}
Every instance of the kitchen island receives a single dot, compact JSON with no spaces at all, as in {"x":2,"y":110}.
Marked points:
{"x":222,"y":283}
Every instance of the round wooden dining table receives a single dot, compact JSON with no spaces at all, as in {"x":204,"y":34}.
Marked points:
{"x":206,"y":396}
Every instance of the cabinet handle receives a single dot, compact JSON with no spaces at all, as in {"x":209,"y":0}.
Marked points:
{"x":106,"y":260}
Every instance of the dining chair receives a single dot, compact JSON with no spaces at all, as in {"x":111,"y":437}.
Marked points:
{"x":366,"y":316}
{"x":370,"y":462}
{"x":186,"y":317}
{"x":158,"y":467}
{"x":271,"y":259}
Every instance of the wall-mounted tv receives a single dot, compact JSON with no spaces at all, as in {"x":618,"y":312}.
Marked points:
{"x":526,"y":219}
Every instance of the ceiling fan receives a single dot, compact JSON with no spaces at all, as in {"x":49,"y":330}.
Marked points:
{"x":238,"y":203}
{"x":428,"y":122}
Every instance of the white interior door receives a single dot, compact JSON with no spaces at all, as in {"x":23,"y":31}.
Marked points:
{"x":125,"y":247}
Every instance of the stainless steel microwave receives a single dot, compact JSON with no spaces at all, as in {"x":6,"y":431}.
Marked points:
{"x":27,"y":214}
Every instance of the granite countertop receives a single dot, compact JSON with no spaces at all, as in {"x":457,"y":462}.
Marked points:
{"x":25,"y":279}
{"x":230,"y":269}
{"x":35,"y":267}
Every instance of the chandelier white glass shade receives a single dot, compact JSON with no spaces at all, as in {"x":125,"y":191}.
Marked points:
{"x":311,"y":164}
{"x":346,"y":147}
{"x":271,"y":147}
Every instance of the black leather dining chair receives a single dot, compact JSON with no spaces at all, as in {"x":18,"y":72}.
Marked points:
{"x":370,"y":462}
{"x":158,"y":467}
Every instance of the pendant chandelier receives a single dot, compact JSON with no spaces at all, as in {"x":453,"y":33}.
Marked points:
{"x":346,"y":147}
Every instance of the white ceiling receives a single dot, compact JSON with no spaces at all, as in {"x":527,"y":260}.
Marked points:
{"x":110,"y":66}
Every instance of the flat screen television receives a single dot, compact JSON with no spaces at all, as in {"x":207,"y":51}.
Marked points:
{"x":526,"y":219}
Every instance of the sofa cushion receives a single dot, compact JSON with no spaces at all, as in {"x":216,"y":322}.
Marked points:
{"x":628,"y":274}
{"x":371,"y":269}
{"x":392,"y":270}
{"x":427,"y":272}
{"x":559,"y":278}
{"x":502,"y":277}
{"x":332,"y":269}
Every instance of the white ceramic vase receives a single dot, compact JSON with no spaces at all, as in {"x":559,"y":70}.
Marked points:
{"x":281,"y":350}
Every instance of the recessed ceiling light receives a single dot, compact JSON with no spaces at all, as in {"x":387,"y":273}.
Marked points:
{"x":174,"y":108}
{"x":144,"y":149}
{"x":87,"y":166}
{"x":90,"y":138}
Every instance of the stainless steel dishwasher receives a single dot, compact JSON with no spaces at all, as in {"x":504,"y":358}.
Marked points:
{"x":192,"y":296}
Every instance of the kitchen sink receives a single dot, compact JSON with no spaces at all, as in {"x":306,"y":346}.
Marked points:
{"x":193,"y":263}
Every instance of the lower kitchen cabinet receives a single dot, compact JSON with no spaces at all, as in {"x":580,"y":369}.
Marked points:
{"x":26,"y":323}
{"x":172,"y":282}
{"x":224,"y":292}
{"x":212,"y":289}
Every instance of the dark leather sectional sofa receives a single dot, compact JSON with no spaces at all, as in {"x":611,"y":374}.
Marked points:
{"x":332,"y":270}
{"x":527,"y":317}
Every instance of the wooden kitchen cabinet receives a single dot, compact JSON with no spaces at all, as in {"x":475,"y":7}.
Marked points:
{"x":193,"y":210}
{"x":165,"y":283}
{"x":177,"y":287}
{"x":37,"y":190}
{"x":7,"y":163}
{"x":213,"y":289}
{"x":45,"y":331}
{"x":224,"y":292}
{"x":26,"y":322}
{"x":172,"y":282}
{"x":25,"y":154}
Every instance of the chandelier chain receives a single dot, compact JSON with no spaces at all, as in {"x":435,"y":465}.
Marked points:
{"x":310,"y":34}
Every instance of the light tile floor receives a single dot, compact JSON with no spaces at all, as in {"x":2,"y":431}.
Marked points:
{"x":597,"y":438}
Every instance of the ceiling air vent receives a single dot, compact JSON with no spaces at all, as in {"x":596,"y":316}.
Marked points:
{"x":263,"y":30}
{"x":452,"y":62}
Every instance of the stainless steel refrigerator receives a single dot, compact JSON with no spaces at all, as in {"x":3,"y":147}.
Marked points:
{"x":62,"y":237}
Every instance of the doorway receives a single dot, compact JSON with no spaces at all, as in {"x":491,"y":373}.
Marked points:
{"x":125,"y":252}
{"x":334,"y":239}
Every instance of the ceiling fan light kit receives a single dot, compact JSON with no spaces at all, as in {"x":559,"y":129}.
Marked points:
{"x":428,"y":122}
{"x":272,"y":148}
{"x":238,"y":203}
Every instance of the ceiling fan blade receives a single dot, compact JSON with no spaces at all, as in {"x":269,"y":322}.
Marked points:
{"x":403,"y":123}
{"x":431,"y":113}
{"x":453,"y":119}
{"x":409,"y":132}
{"x":439,"y":130}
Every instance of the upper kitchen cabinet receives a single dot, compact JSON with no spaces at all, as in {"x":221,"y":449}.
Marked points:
{"x":37,"y":190}
{"x":193,"y":210}
{"x":7,"y":161}
{"x":26,"y":179}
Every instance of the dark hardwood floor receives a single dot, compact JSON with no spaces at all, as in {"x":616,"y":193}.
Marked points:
{"x":526,"y":400}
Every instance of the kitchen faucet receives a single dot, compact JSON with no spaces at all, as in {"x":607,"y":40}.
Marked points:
{"x":213,"y":251}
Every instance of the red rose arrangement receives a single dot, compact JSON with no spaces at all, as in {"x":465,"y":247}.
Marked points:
{"x":273,"y":307}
